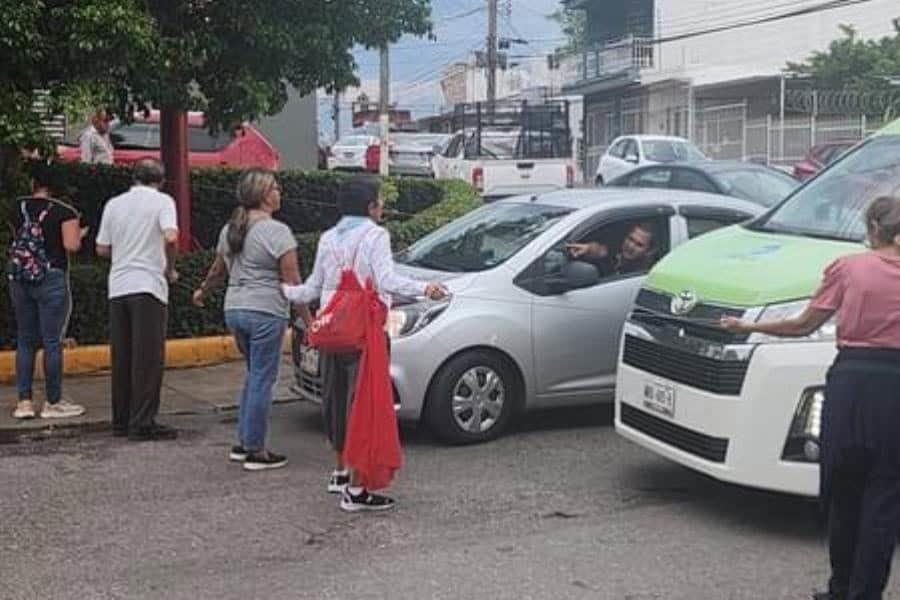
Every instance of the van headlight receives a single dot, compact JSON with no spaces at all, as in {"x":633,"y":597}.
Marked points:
{"x":411,"y":318}
{"x":787,"y":310}
{"x":803,"y":440}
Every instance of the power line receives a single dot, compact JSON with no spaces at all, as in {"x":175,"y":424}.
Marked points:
{"x":747,"y":10}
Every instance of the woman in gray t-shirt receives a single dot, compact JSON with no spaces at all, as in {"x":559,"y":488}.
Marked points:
{"x":256,"y":253}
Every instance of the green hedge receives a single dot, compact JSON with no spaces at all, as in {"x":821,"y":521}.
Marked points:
{"x":89,"y":323}
{"x":308,"y":203}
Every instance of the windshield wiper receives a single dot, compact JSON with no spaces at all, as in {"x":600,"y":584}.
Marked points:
{"x":808,"y":234}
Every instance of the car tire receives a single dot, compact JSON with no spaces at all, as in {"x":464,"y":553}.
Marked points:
{"x":456,"y":423}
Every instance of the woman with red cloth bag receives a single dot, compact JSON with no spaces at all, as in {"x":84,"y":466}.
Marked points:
{"x":354,"y":279}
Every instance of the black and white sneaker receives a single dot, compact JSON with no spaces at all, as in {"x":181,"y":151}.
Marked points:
{"x":237,"y":454}
{"x":365,"y":501}
{"x":339,"y":480}
{"x":264,"y":461}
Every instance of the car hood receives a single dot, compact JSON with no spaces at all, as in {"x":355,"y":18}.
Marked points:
{"x":456,"y":282}
{"x":740,"y":267}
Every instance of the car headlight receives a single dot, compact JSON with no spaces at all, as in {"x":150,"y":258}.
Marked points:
{"x":802,"y":444}
{"x":787,"y":310}
{"x":407,"y":320}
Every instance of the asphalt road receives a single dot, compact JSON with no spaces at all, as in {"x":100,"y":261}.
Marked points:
{"x":562,"y":508}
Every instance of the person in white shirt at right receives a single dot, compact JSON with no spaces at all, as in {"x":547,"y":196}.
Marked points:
{"x":357,"y":234}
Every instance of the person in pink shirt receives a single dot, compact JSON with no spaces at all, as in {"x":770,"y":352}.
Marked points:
{"x":860,"y":462}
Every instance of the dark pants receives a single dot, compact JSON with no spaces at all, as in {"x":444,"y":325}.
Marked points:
{"x":338,"y":386}
{"x":137,"y":339}
{"x":42,"y":312}
{"x":861,"y":470}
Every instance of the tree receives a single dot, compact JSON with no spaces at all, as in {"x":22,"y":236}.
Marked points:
{"x":68,"y":47}
{"x":864,"y":67}
{"x":573,"y":23}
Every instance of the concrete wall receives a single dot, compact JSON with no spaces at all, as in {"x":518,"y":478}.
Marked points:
{"x":758,"y":50}
{"x":295,"y":132}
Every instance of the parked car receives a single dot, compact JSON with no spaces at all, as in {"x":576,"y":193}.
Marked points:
{"x":526,"y":325}
{"x":748,"y":181}
{"x":243,"y":148}
{"x":492,"y":161}
{"x":820,"y":157}
{"x":630,"y":152}
{"x":412,"y":153}
{"x":355,"y":152}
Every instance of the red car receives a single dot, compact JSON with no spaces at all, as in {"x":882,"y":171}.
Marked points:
{"x":820,"y":157}
{"x":244,"y":148}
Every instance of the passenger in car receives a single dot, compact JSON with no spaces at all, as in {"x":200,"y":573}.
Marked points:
{"x":637,"y":253}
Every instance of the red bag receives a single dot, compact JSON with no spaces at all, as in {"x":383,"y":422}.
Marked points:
{"x":372,"y":448}
{"x":340,"y":328}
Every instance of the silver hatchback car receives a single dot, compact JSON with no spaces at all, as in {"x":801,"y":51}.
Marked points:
{"x":527,"y":325}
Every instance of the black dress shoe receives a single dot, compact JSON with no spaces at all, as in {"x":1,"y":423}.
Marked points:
{"x":119,"y":431}
{"x":153,"y":433}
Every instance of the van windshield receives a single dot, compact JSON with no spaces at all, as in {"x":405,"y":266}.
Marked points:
{"x":833,"y":205}
{"x":482,"y":239}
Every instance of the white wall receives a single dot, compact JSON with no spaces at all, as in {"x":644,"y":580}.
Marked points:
{"x":759,"y":49}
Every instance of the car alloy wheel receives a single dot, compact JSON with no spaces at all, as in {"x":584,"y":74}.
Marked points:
{"x":478,"y":399}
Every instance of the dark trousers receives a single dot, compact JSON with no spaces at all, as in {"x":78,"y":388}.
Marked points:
{"x":861,"y":470}
{"x":137,"y":340}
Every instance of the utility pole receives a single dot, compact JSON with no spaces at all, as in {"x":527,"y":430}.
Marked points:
{"x":385,"y":107}
{"x":492,"y":54}
{"x":337,"y":115}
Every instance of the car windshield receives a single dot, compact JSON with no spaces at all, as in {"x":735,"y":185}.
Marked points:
{"x":142,"y":135}
{"x":670,"y":151}
{"x":353,"y":140}
{"x":484,"y":238}
{"x":833,"y":205}
{"x":763,"y":186}
{"x":424,"y":141}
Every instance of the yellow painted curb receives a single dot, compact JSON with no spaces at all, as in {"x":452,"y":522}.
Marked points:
{"x":180,"y":354}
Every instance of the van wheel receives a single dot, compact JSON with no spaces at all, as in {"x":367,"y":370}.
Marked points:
{"x":599,"y":181}
{"x":473,"y":398}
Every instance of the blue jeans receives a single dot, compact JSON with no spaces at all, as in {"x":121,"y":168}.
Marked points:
{"x":259,"y":336}
{"x":42,"y":313}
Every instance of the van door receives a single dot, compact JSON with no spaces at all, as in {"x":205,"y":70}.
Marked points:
{"x":576,"y":332}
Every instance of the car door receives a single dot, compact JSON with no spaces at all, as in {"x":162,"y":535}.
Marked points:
{"x":576,"y":332}
{"x":612,"y":164}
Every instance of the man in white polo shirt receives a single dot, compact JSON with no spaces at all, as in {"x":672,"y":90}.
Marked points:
{"x":139,"y":231}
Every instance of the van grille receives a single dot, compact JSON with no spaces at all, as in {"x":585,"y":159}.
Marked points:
{"x":705,"y":446}
{"x":701,"y":372}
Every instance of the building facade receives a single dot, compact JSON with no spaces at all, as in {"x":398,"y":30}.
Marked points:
{"x":712,"y":72}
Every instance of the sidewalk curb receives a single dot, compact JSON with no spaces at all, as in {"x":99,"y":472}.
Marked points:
{"x":180,"y":354}
{"x":54,"y":430}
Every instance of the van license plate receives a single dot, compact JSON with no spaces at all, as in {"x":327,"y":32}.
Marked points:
{"x":309,"y":361}
{"x":659,"y":398}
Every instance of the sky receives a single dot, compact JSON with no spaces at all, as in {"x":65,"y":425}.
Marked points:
{"x":460,"y":27}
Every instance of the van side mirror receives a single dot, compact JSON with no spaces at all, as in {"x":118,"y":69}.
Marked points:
{"x":575,"y":275}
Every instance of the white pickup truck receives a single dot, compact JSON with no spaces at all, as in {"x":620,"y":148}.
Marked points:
{"x":493,"y":166}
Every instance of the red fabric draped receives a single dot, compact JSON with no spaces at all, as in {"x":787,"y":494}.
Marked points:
{"x":372,"y":447}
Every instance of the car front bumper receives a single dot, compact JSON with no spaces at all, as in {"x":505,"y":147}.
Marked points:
{"x":737,"y":439}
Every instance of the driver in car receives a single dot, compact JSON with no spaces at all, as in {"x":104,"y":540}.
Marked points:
{"x":636,"y":255}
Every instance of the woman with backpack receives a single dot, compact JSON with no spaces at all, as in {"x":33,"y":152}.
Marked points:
{"x":46,"y":231}
{"x":256,"y":254}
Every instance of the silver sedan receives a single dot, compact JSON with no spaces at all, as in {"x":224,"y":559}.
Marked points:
{"x":540,"y":289}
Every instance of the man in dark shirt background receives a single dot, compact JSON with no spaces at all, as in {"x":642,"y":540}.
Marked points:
{"x":636,"y":255}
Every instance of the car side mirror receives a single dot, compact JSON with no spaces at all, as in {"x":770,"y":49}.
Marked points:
{"x":580,"y":274}
{"x":632,"y":158}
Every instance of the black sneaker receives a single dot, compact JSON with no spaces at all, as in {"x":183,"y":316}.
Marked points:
{"x":365,"y":501}
{"x":153,"y":433}
{"x":263,"y":461}
{"x":338,"y":482}
{"x":238,"y":454}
